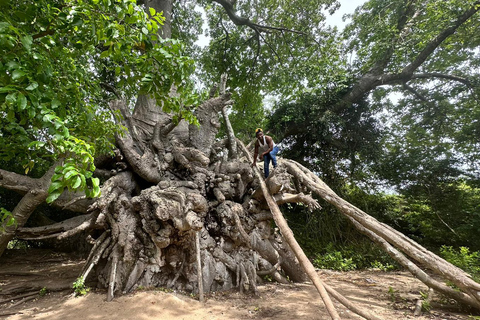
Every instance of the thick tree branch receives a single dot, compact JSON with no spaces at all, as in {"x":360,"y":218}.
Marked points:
{"x":59,"y":230}
{"x":375,"y":78}
{"x":23,"y":184}
{"x":30,"y":201}
{"x":428,"y":75}
{"x":18,"y":182}
{"x":241,"y":21}
{"x":432,"y":45}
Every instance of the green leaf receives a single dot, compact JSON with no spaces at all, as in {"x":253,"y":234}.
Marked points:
{"x":21,"y":101}
{"x":33,"y":85}
{"x":10,"y":221}
{"x":6,"y":89}
{"x":55,"y":185}
{"x":55,"y":103}
{"x":144,"y":30}
{"x":53,"y":196}
{"x":70,"y":173}
{"x":105,"y":54}
{"x":84,"y":182}
{"x":77,"y":182}
{"x":11,"y":98}
{"x":27,"y":42}
{"x":95,"y":182}
{"x":96,"y":191}
{"x":152,"y":11}
{"x":17,"y":74}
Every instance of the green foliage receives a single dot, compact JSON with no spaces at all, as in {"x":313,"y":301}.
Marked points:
{"x":6,"y":219}
{"x":383,"y":266}
{"x":393,"y":294}
{"x":43,"y":292}
{"x":436,"y":214}
{"x":335,"y":261}
{"x":336,"y":143}
{"x":464,"y":259}
{"x":18,"y":244}
{"x":426,"y":306}
{"x":79,"y":287}
{"x":62,"y":62}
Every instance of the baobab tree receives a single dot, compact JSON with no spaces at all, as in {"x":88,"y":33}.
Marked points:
{"x":169,"y":179}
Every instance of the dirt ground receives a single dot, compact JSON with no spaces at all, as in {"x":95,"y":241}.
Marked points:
{"x":389,"y":295}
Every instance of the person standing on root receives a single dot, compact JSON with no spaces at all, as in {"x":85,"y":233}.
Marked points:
{"x":267,"y":149}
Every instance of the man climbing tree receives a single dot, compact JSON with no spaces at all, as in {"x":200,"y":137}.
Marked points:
{"x":268,"y":151}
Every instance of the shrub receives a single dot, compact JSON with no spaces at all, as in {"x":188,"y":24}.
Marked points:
{"x":463,"y":258}
{"x":335,"y":261}
{"x":79,"y":287}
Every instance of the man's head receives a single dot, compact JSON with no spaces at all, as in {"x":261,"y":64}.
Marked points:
{"x":259,"y":133}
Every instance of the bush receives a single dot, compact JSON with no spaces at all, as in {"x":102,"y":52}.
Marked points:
{"x":335,"y":261}
{"x":79,"y":287}
{"x":463,"y":258}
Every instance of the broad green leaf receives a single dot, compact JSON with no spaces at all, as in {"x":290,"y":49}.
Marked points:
{"x":11,"y":98}
{"x":17,"y":74}
{"x":27,"y":42}
{"x":6,"y":89}
{"x":21,"y":101}
{"x":77,"y":182}
{"x":33,"y":85}
{"x":55,"y":185}
{"x":53,"y":196}
{"x":70,"y":173}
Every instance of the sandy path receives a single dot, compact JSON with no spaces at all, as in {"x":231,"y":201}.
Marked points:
{"x":391,"y":296}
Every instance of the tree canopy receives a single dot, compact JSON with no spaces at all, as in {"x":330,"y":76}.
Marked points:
{"x":62,"y":62}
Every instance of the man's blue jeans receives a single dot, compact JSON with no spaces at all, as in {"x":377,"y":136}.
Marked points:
{"x":272,"y":156}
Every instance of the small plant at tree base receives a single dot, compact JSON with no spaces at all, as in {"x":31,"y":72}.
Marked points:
{"x":43,"y":291}
{"x":335,"y":261}
{"x":79,"y":287}
{"x":268,"y":278}
{"x":425,"y":303}
{"x":392,"y":293}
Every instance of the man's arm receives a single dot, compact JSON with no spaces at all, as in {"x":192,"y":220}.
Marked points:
{"x":256,"y":153}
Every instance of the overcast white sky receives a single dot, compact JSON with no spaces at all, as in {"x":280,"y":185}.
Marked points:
{"x":346,"y":7}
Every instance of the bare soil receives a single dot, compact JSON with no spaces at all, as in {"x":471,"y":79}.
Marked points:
{"x":389,"y":295}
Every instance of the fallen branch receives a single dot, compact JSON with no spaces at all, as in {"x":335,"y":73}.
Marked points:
{"x":288,"y":235}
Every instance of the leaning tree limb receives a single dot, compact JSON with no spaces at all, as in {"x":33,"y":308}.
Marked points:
{"x":424,"y":257}
{"x":415,"y":270}
{"x":36,"y":195}
{"x":302,"y":258}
